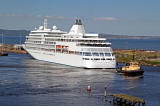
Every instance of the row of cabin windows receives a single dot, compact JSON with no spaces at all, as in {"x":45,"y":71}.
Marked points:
{"x":79,"y":53}
{"x":98,"y":59}
{"x":42,"y":46}
{"x":52,"y":35}
{"x":33,"y":40}
{"x":68,"y":40}
{"x":73,"y":40}
{"x":96,"y":54}
{"x":94,"y":45}
{"x":37,"y":42}
{"x":50,"y":42}
{"x":35,"y":35}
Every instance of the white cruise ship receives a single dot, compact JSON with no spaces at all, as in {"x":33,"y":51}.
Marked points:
{"x":76,"y":48}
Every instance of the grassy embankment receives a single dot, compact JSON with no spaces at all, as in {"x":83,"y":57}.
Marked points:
{"x":143,"y":57}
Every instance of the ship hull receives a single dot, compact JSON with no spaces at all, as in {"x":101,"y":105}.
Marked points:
{"x":131,"y":72}
{"x":71,"y":60}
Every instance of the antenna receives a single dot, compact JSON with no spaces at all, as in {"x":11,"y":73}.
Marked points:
{"x":2,"y":49}
{"x":45,"y":23}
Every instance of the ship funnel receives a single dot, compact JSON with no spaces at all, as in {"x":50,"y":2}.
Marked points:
{"x":77,"y":28}
{"x":78,"y":22}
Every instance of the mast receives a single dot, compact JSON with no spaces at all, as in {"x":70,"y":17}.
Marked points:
{"x":45,"y":23}
{"x":2,"y":44}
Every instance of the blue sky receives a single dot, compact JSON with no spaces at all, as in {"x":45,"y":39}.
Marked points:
{"x":127,"y":17}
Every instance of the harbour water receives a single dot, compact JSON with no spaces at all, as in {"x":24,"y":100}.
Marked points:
{"x":144,"y":44}
{"x":25,"y":81}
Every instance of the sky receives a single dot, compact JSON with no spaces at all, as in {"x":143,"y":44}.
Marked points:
{"x":121,"y":17}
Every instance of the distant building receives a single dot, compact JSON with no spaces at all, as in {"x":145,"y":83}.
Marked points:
{"x":18,"y":47}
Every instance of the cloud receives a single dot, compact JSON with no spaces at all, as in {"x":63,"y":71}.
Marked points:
{"x":19,"y":15}
{"x":105,"y":19}
{"x":59,"y":17}
{"x":38,"y":16}
{"x":55,"y":17}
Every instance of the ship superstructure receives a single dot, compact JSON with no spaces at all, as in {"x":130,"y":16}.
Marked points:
{"x":75,"y":48}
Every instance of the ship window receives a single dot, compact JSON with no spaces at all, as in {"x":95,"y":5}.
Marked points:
{"x":101,"y":54}
{"x":96,"y":59}
{"x":107,"y":54}
{"x":95,"y":54}
{"x":109,"y":59}
{"x":79,"y":53}
{"x":103,"y":59}
{"x":85,"y":58}
{"x":87,"y":54}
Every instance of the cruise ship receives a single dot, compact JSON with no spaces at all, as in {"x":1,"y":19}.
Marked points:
{"x":75,"y":48}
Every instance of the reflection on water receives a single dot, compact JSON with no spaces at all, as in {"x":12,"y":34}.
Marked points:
{"x":133,"y":81}
{"x":35,"y":83}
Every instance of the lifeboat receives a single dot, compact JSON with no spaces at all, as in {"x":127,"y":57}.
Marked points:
{"x":58,"y":46}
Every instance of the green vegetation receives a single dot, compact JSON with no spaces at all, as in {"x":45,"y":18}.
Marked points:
{"x":152,"y":62}
{"x":141,"y":56}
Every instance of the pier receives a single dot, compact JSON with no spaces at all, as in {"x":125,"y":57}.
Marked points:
{"x":127,"y":100}
{"x":12,"y":48}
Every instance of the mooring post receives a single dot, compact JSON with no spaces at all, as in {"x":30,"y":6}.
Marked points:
{"x":113,"y":100}
{"x":120,"y":101}
{"x":143,"y":104}
{"x":105,"y":93}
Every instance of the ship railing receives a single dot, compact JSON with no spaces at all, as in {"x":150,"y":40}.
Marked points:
{"x":76,"y":40}
{"x":32,"y":42}
{"x":33,"y":36}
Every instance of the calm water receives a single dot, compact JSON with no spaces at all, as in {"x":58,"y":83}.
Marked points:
{"x":145,"y":44}
{"x":28,"y":82}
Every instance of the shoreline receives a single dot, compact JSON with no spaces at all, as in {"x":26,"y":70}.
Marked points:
{"x":144,"y":57}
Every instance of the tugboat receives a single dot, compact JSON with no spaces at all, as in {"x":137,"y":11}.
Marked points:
{"x":132,"y":68}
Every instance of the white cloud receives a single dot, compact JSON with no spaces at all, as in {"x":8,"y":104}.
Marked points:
{"x":60,"y":17}
{"x":38,"y":16}
{"x":105,"y":19}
